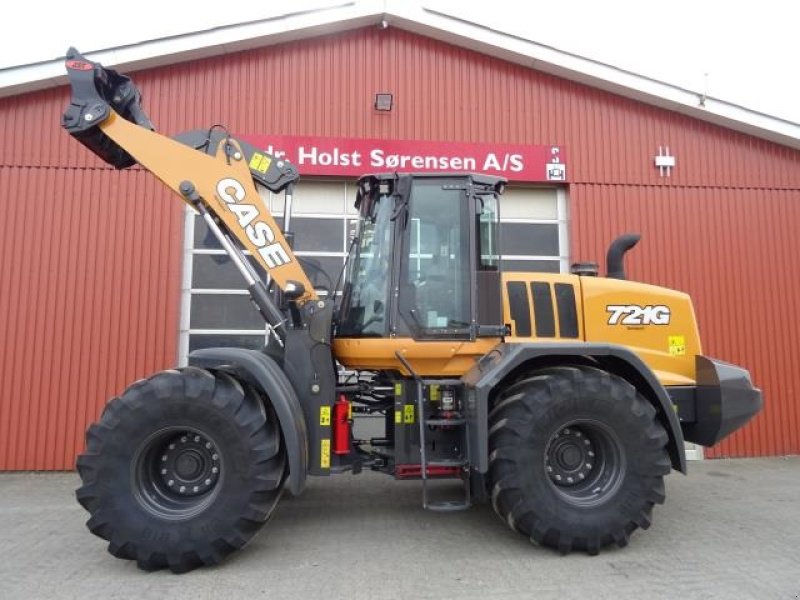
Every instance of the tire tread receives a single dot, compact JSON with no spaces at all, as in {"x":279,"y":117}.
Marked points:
{"x":252,"y":414}
{"x":526,"y":402}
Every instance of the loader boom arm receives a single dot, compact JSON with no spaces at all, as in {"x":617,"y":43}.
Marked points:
{"x":214,"y":173}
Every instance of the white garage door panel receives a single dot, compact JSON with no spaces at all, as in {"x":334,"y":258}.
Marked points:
{"x":318,"y":198}
{"x":529,"y":203}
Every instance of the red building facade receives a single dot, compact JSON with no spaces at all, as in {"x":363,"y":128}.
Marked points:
{"x":90,"y":282}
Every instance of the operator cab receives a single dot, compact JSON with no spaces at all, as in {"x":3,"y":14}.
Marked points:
{"x":425,"y":260}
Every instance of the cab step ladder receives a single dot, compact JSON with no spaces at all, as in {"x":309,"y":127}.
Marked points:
{"x":463,"y":463}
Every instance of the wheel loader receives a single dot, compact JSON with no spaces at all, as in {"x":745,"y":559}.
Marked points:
{"x":562,"y":399}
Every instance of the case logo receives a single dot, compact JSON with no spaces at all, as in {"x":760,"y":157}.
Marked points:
{"x":232,"y":193}
{"x":633,"y":314}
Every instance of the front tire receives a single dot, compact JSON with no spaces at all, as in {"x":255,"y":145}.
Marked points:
{"x":182,"y":469}
{"x":577,"y":458}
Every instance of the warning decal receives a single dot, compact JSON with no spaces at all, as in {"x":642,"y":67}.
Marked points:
{"x":259,"y":162}
{"x":325,"y":454}
{"x":677,"y":345}
{"x":324,"y":416}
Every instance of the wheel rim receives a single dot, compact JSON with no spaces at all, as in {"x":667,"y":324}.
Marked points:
{"x":177,"y":472}
{"x":584,"y":462}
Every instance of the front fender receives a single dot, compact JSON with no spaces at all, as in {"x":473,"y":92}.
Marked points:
{"x":258,"y":369}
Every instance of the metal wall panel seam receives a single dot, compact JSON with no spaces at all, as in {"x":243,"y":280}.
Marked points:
{"x":5,"y":324}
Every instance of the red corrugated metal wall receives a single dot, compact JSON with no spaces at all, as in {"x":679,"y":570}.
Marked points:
{"x":78,"y":329}
{"x":89,"y":288}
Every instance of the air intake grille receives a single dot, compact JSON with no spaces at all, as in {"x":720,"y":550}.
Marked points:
{"x":544,"y":309}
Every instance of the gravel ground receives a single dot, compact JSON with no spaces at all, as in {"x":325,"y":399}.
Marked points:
{"x":731,"y":529}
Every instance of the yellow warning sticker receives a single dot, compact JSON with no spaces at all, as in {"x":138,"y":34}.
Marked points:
{"x":259,"y":162}
{"x":434,"y":392}
{"x":325,"y":454}
{"x":408,"y":414}
{"x":324,"y":415}
{"x":677,"y":345}
{"x":398,"y":417}
{"x":398,"y":389}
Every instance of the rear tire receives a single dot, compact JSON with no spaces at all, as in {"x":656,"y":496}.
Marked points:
{"x":577,"y":459}
{"x":182,"y":469}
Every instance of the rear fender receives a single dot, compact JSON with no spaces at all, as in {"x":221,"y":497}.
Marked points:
{"x":505,"y":361}
{"x":263,"y":372}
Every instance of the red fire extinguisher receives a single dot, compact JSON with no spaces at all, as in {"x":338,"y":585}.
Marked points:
{"x":341,"y":426}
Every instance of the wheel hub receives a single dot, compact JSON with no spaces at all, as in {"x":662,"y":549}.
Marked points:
{"x":570,"y":457}
{"x":189,"y":464}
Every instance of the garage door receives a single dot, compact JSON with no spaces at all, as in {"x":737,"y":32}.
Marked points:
{"x":216,"y":309}
{"x":533,"y":230}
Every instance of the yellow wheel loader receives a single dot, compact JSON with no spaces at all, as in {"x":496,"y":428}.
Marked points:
{"x":562,"y":399}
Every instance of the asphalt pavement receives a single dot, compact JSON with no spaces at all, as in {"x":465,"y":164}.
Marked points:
{"x":730,"y":529}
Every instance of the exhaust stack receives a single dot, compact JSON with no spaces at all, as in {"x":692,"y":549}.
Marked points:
{"x":616,"y":254}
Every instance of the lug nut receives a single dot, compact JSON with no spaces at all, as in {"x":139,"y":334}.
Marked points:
{"x":570,"y":480}
{"x":182,"y":489}
{"x":171,"y":482}
{"x":197,"y":438}
{"x":207,"y":482}
{"x":558,"y":477}
{"x":183,"y":440}
{"x":214,"y":470}
{"x":195,"y":488}
{"x":588,"y":466}
{"x":164,"y":458}
{"x":590,"y":453}
{"x":214,"y":456}
{"x":172,"y":446}
{"x":208,"y":445}
{"x":163,"y":471}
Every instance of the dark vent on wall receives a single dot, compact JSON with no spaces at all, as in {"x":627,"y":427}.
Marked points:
{"x":520,"y":307}
{"x":567,"y":313}
{"x":543,"y":309}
